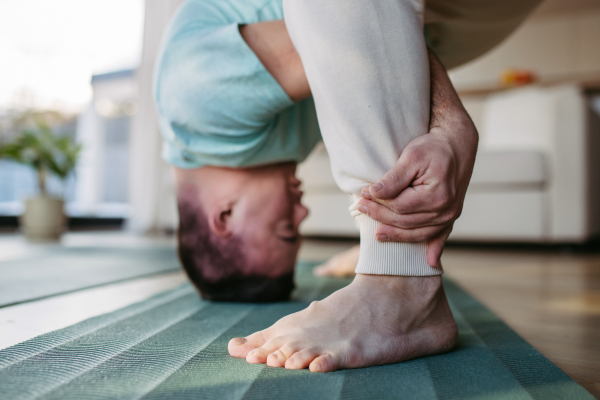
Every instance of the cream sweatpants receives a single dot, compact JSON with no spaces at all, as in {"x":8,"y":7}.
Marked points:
{"x":367,"y":65}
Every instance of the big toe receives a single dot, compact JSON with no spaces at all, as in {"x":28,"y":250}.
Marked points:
{"x":241,"y":346}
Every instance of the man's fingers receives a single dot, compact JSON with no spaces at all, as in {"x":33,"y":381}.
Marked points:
{"x":383,"y":214}
{"x":436,"y":247}
{"x":387,"y":233}
{"x":394,"y":181}
{"x":416,"y":199}
{"x":409,"y":201}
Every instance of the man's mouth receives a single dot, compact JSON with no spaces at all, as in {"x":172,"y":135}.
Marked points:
{"x":297,"y":194}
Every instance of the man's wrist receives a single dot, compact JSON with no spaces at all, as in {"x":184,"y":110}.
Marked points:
{"x":448,"y":115}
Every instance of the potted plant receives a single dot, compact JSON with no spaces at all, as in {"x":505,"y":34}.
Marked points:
{"x":47,"y":153}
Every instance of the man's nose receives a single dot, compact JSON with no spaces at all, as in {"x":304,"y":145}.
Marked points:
{"x":301,"y":214}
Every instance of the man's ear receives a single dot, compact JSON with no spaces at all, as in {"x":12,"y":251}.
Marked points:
{"x":219,"y":220}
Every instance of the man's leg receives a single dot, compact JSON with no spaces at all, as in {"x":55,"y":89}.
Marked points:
{"x":366,"y":63}
{"x":367,"y":66}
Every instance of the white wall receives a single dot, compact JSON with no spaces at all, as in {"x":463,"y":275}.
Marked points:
{"x":560,"y":41}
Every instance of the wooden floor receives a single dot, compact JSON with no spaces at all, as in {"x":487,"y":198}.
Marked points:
{"x":549,"y":297}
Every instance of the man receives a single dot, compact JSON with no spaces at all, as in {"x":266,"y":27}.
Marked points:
{"x":235,"y":110}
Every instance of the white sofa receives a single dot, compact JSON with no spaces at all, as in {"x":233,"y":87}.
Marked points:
{"x":536,"y":178}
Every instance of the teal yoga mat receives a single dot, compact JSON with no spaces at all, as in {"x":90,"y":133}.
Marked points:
{"x":174,"y":346}
{"x":63,"y":270}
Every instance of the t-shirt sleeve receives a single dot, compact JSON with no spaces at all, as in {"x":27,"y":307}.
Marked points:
{"x":214,"y":97}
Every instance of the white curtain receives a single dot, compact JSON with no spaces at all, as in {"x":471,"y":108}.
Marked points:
{"x":152,"y":187}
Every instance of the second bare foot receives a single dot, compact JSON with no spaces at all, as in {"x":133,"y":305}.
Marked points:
{"x":341,"y":265}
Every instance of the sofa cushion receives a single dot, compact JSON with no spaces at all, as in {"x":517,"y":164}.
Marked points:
{"x":509,"y":167}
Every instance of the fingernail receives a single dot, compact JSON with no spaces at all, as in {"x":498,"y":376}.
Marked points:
{"x":363,"y":209}
{"x":365,"y":194}
{"x":240,"y":340}
{"x":377,"y":186}
{"x":383,"y":238}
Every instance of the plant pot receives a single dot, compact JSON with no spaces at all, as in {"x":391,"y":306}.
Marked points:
{"x":43,"y":219}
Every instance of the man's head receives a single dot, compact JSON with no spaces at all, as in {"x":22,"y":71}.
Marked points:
{"x":238,"y":230}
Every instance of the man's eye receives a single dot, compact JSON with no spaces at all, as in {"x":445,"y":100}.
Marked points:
{"x":290,"y":239}
{"x":287,"y":232}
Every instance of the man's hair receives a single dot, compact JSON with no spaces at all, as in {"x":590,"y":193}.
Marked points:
{"x":215,"y":265}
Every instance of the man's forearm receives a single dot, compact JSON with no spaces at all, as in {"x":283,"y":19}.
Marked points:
{"x":447,"y":111}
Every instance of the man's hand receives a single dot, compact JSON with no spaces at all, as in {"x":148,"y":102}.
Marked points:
{"x":422,"y":195}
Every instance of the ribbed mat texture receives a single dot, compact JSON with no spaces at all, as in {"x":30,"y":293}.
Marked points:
{"x":64,"y":270}
{"x":174,"y":346}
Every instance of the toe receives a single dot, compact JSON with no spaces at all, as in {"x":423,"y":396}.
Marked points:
{"x":290,"y":348}
{"x":260,"y":354}
{"x":274,"y":344}
{"x":276,"y":359}
{"x":257,"y":356}
{"x":240,"y":347}
{"x":323,"y":363}
{"x":301,"y":359}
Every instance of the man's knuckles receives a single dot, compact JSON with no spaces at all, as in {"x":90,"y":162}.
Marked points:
{"x":442,"y":199}
{"x":448,"y":216}
{"x":452,"y":214}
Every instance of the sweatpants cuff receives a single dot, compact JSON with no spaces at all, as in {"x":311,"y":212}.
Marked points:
{"x":390,"y":258}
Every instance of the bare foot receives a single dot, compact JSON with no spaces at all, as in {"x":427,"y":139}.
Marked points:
{"x":375,"y":320}
{"x":340,"y":265}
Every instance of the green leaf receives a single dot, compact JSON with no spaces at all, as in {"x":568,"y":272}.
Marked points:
{"x":43,"y":150}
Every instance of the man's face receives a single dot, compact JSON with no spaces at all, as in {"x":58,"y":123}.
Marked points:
{"x":269,"y":214}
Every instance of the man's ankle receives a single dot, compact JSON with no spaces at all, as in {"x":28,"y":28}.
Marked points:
{"x":426,"y":286}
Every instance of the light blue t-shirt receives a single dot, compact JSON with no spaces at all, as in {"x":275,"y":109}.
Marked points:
{"x":217,"y":103}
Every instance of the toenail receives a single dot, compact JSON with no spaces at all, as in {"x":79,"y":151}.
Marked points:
{"x":274,"y":356}
{"x":318,"y":366}
{"x":383,"y":238}
{"x":251,"y":353}
{"x":291,"y":360}
{"x":240,"y":340}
